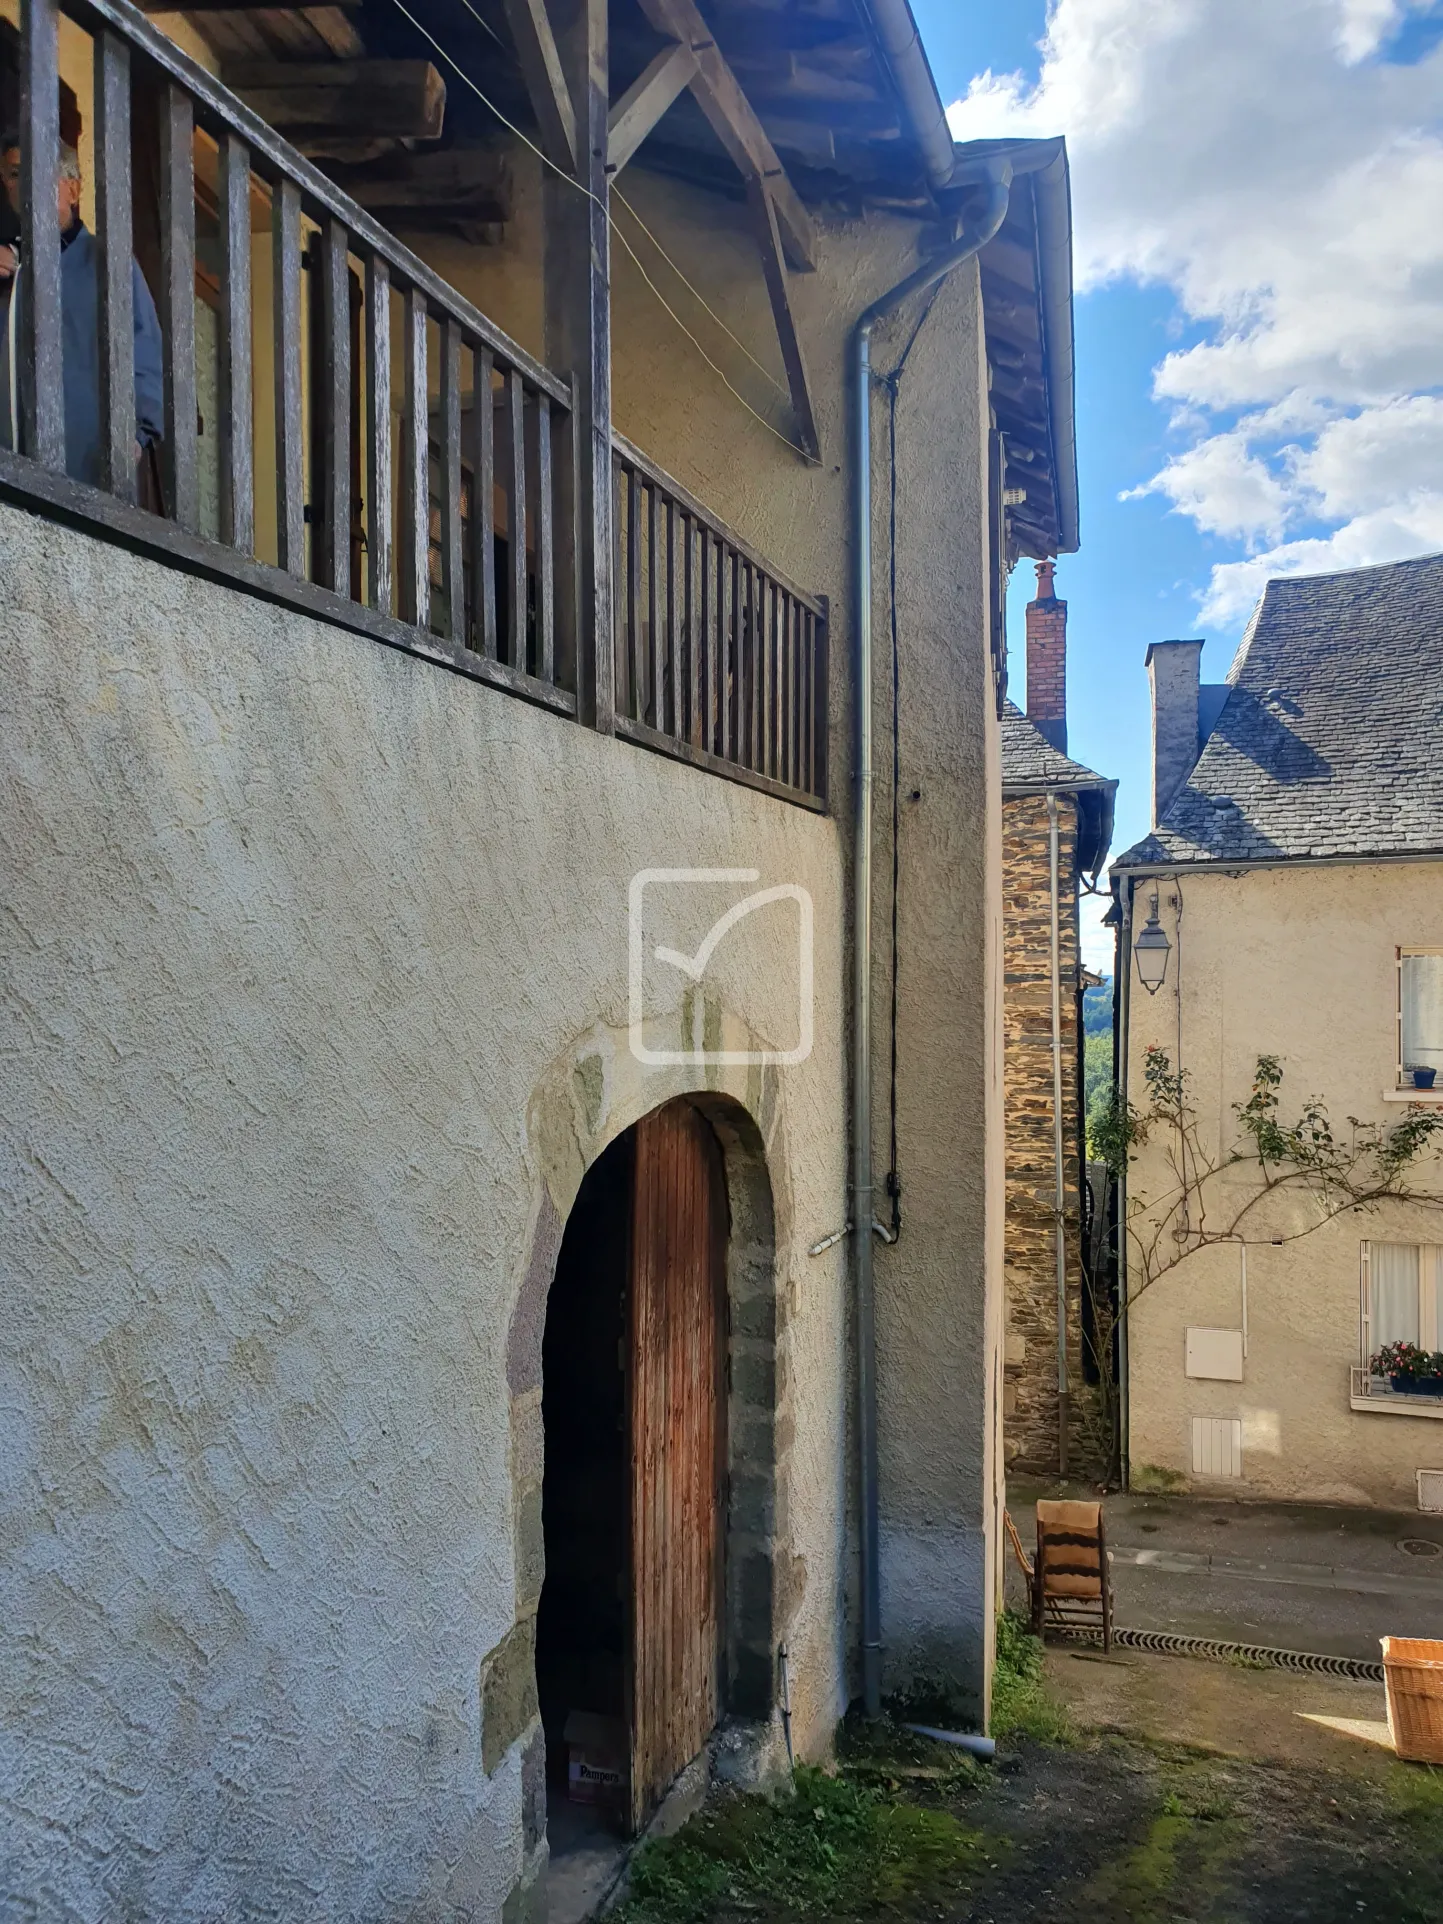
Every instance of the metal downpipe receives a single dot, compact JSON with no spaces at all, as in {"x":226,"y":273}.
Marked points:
{"x":969,"y":243}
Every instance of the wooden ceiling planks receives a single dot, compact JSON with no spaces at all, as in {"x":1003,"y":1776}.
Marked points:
{"x":284,"y":33}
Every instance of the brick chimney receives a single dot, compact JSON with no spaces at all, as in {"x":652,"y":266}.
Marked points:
{"x":1173,"y":669}
{"x":1047,"y":661}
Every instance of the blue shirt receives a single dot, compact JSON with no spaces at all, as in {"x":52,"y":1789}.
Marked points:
{"x":80,"y":337}
{"x":80,"y":357}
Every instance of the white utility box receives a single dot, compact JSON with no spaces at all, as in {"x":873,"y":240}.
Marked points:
{"x":1215,"y":1353}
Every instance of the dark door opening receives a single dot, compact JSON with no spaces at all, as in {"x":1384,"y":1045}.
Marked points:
{"x":583,"y":1623}
{"x":633,"y":1402}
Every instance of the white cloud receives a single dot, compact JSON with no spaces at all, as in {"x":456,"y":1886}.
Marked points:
{"x":1365,"y":462}
{"x":1267,"y":161}
{"x":1224,"y":488}
{"x":1411,"y":527}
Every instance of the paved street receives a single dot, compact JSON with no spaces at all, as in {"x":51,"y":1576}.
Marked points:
{"x":1292,"y":1575}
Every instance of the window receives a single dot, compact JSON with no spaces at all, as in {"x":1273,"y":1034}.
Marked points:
{"x":1420,"y":1011}
{"x":1400,"y":1295}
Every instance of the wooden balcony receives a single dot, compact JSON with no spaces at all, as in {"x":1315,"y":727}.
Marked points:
{"x":421,"y":480}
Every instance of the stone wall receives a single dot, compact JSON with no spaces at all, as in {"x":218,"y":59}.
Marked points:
{"x":1030,"y":1419}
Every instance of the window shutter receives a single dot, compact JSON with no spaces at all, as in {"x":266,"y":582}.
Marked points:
{"x":1366,"y":1264}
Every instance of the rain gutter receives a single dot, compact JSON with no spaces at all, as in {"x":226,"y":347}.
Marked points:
{"x":974,"y":237}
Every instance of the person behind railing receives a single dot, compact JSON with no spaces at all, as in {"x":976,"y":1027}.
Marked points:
{"x":80,"y":331}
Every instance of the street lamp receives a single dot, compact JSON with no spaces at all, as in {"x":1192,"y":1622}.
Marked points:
{"x":1152,"y":949}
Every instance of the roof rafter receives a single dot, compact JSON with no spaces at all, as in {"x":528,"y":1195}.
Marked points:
{"x":764,"y":217}
{"x":734,"y":122}
{"x":545,"y":82}
{"x":645,"y":101}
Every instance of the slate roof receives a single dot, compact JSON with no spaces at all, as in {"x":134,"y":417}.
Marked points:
{"x":1030,"y":761}
{"x":1031,"y":765}
{"x":1328,"y":742}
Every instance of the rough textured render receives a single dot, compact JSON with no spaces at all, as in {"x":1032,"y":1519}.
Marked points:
{"x":938,"y":1289}
{"x":1301,"y":963}
{"x":1030,"y":1414}
{"x":1327,"y":742}
{"x":316,"y":969}
{"x":939,"y":1286}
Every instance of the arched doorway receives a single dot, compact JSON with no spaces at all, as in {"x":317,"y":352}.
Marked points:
{"x":629,"y":1631}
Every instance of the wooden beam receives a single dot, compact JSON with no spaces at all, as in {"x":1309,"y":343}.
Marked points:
{"x":545,"y":82}
{"x":460,"y":187}
{"x":764,"y":218}
{"x":113,"y":283}
{"x":179,"y":451}
{"x":225,"y":6}
{"x":732,"y":119}
{"x":42,"y":397}
{"x":577,"y":309}
{"x":645,"y":101}
{"x":382,"y":99}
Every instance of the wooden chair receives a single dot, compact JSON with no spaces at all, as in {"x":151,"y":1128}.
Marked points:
{"x":1071,"y":1578}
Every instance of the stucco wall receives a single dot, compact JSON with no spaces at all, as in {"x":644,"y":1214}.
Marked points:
{"x":1297,"y":963}
{"x":940,"y":1286}
{"x":316,"y":959}
{"x":319,"y":964}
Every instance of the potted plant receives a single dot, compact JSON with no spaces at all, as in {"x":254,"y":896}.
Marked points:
{"x":1422,"y":1077}
{"x":1411,"y":1371}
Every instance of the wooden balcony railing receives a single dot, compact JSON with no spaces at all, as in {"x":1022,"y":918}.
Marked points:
{"x":439,"y":501}
{"x":719,"y":659}
{"x":345,"y":433}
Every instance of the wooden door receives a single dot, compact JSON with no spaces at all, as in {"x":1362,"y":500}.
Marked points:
{"x":677,"y":1405}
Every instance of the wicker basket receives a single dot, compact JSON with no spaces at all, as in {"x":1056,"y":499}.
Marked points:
{"x":1413,"y":1675}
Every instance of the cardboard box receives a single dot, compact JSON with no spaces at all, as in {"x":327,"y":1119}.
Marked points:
{"x":597,"y":1759}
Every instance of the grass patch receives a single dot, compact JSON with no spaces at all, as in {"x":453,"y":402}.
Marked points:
{"x":836,"y":1846}
{"x":1415,"y":1792}
{"x":1021,"y":1703}
{"x":883,"y":1752}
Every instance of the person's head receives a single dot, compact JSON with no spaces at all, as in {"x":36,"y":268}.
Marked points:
{"x":67,"y":186}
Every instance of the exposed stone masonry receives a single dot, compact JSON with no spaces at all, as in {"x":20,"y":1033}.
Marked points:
{"x":1030,"y":1378}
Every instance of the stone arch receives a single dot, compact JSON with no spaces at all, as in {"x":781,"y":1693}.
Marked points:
{"x":756,"y":1425}
{"x":591,"y":1099}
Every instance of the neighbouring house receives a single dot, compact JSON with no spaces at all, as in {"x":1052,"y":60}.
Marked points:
{"x":442,"y":1359}
{"x":1056,"y":827}
{"x":1281,"y":947}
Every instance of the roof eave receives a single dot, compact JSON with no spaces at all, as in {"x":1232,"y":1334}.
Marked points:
{"x":1045,"y":161}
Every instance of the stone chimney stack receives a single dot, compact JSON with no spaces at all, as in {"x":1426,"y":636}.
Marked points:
{"x":1173,"y":668}
{"x":1047,"y":661}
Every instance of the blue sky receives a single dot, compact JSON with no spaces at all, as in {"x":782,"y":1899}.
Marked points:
{"x":1257,"y":187}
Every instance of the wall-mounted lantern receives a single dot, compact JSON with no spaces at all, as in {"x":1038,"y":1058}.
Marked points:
{"x":1152,"y":949}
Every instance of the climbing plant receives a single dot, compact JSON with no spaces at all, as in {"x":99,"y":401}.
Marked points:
{"x":1327,"y":1172}
{"x":1234,"y":1194}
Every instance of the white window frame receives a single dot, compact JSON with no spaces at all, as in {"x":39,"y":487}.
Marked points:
{"x":1430,"y":1295}
{"x":1399,"y":954}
